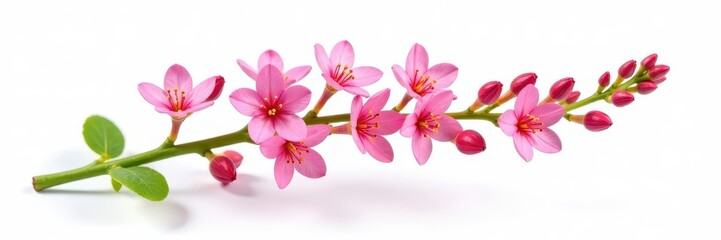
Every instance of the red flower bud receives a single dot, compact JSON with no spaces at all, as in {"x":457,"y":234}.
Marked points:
{"x":470,"y":142}
{"x":561,"y":89}
{"x":621,"y":98}
{"x":223,"y":169}
{"x":627,"y":69}
{"x":659,"y":80}
{"x":649,"y":61}
{"x":646,"y":87}
{"x":235,"y":156}
{"x":219,"y":83}
{"x":573,"y":97}
{"x":596,"y":121}
{"x":605,"y":79}
{"x":658,"y":71}
{"x":522,"y":81}
{"x":489,"y":92}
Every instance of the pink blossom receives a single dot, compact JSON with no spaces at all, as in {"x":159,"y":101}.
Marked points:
{"x":368,"y":124}
{"x":427,"y":121}
{"x":338,"y":69}
{"x":271,"y":57}
{"x":418,"y":79}
{"x":528,"y":124}
{"x":296,"y":154}
{"x":272,"y":106}
{"x":180,"y":98}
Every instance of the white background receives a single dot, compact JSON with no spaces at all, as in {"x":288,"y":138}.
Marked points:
{"x":653,"y":175}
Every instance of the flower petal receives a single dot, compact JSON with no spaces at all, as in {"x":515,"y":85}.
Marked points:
{"x":270,"y":82}
{"x":376,"y":103}
{"x":290,"y":127}
{"x":201,"y":92}
{"x":199,"y":106}
{"x":417,"y":60}
{"x":548,"y":113}
{"x":409,"y":127}
{"x":546,"y":141}
{"x":283,"y":171}
{"x":508,"y":122}
{"x":316,"y":134}
{"x":448,"y":130}
{"x":260,"y":128}
{"x":154,"y":95}
{"x":178,"y":77}
{"x":379,"y":148}
{"x":343,"y":54}
{"x":270,"y":57}
{"x":523,"y":146}
{"x":365,"y":76}
{"x":294,"y":99}
{"x":439,"y":103}
{"x":172,"y":113}
{"x":272,"y":147}
{"x":356,"y":91}
{"x":444,"y":74}
{"x":321,"y":57}
{"x":246,"y":101}
{"x":296,"y":74}
{"x":401,"y":76}
{"x":356,"y":107}
{"x":526,"y":101}
{"x":333,"y":84}
{"x":422,"y":148}
{"x":357,"y":139}
{"x":247,"y":69}
{"x":313,"y":165}
{"x":389,"y":122}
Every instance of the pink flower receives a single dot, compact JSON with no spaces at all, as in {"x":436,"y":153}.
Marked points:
{"x":271,"y":57}
{"x":418,"y":79}
{"x":427,"y":121}
{"x":296,"y":154}
{"x":338,"y":69}
{"x":180,"y":99}
{"x":368,"y":124}
{"x":272,"y":106}
{"x":528,"y":124}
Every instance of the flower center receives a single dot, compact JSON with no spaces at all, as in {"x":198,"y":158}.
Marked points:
{"x":176,"y":100}
{"x":367,"y":124}
{"x":295,"y":151}
{"x":429,"y":125}
{"x":422,"y":84}
{"x":530,"y":124}
{"x":271,"y":105}
{"x":342,"y":75}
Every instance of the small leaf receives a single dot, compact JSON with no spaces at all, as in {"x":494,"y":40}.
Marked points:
{"x":103,"y":137}
{"x":116,"y":185}
{"x":144,"y":181}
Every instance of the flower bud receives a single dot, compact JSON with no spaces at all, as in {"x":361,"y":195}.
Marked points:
{"x":658,"y":71}
{"x":470,"y":142}
{"x":605,"y":79}
{"x":659,"y":80}
{"x":621,"y":98}
{"x":596,"y":121}
{"x":223,"y":169}
{"x":235,"y":156}
{"x":646,"y":87}
{"x":522,"y":81}
{"x":649,"y":61}
{"x":627,"y":69}
{"x":489,"y":92}
{"x":219,"y":83}
{"x":561,"y":89}
{"x":573,"y":97}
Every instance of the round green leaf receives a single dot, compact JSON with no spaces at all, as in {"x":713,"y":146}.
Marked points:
{"x":144,"y":181}
{"x":103,"y":137}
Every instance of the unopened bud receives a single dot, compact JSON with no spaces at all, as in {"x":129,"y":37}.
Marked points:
{"x":646,"y":87}
{"x":658,"y":71}
{"x":573,"y":97}
{"x":605,"y":79}
{"x":561,"y":89}
{"x":649,"y":61}
{"x":596,"y":121}
{"x":622,"y":98}
{"x":223,"y":169}
{"x":522,"y":81}
{"x":659,"y":80}
{"x":627,"y":69}
{"x":489,"y":92}
{"x":219,"y":83}
{"x":235,"y":156}
{"x":470,"y":142}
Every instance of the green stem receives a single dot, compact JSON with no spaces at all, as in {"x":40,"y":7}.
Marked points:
{"x":604,"y":94}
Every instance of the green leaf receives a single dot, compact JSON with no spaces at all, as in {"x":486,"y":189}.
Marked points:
{"x":116,"y":185}
{"x":103,"y":137}
{"x":144,"y":181}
